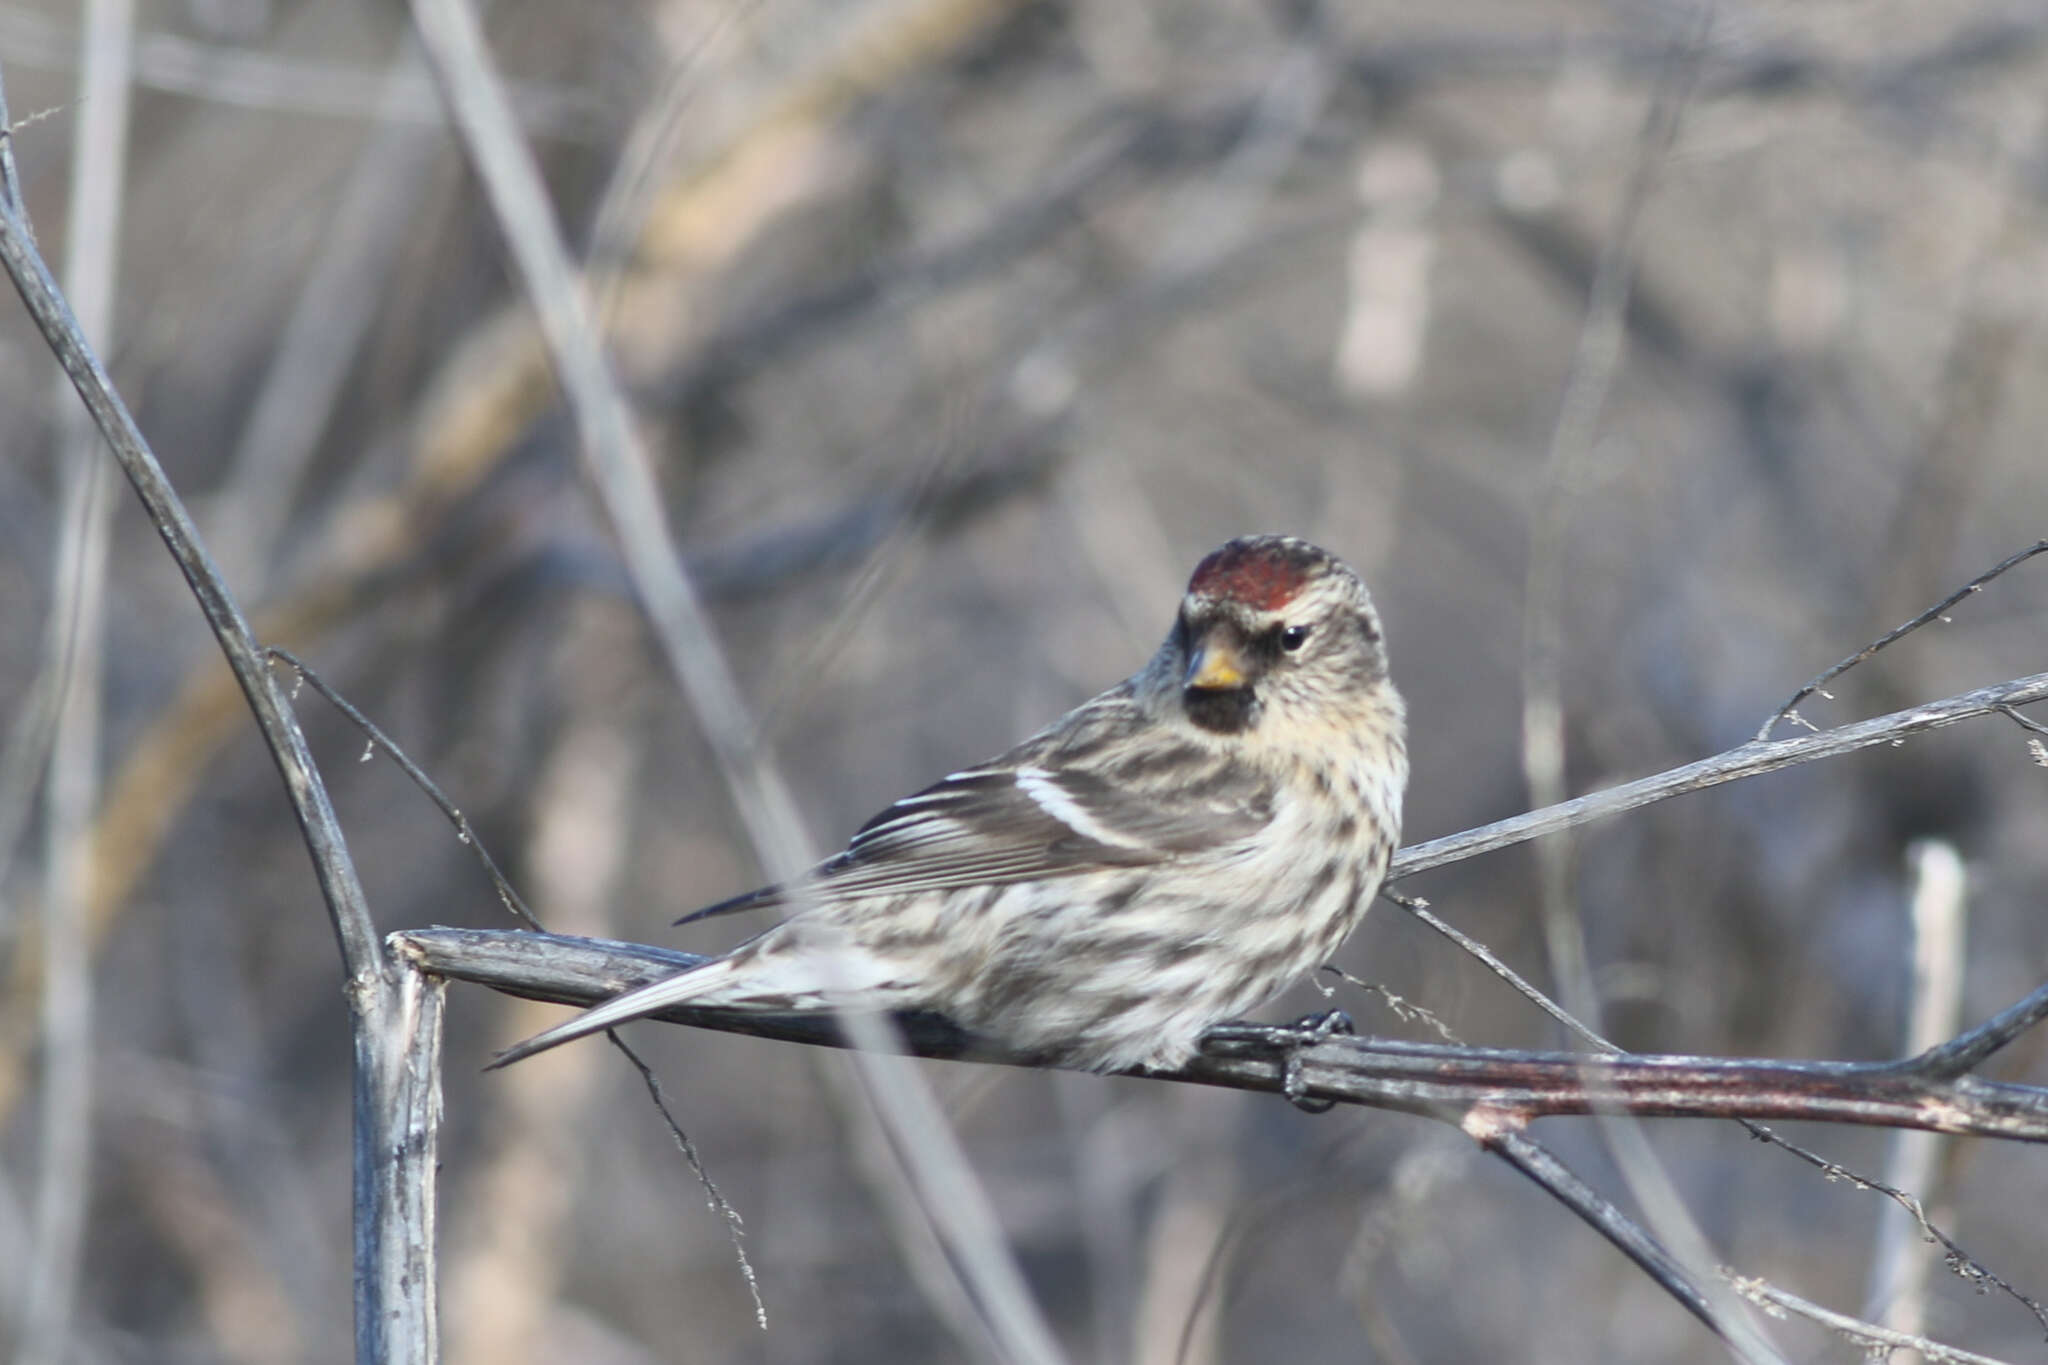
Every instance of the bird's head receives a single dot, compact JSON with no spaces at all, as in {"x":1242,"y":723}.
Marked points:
{"x":1272,"y":629}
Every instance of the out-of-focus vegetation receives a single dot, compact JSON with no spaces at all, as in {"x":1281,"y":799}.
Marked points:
{"x":962,"y":329}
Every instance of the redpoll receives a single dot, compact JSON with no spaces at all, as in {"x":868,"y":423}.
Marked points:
{"x":1161,"y":859}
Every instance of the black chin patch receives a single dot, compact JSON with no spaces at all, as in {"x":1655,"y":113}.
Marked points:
{"x":1225,"y":710}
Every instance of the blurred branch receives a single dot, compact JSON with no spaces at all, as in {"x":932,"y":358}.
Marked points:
{"x":263,"y":80}
{"x":76,"y":643}
{"x":617,"y":458}
{"x":393,"y":1299}
{"x":767,"y":561}
{"x":1745,"y":760}
{"x":952,"y":1197}
{"x":372,"y":219}
{"x":1142,"y":143}
{"x":266,"y":81}
{"x":1129,"y":149}
{"x":1973,"y":48}
{"x":1936,"y":946}
{"x":1570,"y":466}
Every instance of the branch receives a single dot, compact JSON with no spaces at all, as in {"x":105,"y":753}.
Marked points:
{"x":1789,"y":711}
{"x":1506,"y":1141}
{"x":1745,"y":760}
{"x":1876,"y":1342}
{"x":393,"y":1303}
{"x":242,"y":77}
{"x":1437,"y":1081}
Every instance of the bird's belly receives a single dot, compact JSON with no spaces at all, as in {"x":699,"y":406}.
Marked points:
{"x":1127,"y":968}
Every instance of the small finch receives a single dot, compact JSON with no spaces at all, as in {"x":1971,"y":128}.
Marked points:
{"x":1160,"y":859}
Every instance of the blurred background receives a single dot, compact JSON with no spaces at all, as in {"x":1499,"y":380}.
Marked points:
{"x":961,"y":329}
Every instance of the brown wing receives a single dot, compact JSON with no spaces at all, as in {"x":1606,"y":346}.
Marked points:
{"x":1075,"y":798}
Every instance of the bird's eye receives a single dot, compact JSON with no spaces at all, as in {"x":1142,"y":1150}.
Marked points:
{"x":1293,"y":638}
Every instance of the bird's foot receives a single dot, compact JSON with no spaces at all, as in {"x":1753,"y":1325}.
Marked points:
{"x":1325,"y":1024}
{"x":1317,"y":1027}
{"x":1285,"y":1042}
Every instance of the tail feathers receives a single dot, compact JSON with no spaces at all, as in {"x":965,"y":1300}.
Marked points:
{"x":682,"y":989}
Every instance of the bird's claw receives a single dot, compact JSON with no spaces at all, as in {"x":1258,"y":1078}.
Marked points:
{"x":1293,"y":1084}
{"x":1325,"y":1024}
{"x":1295,"y":1087}
{"x":1286,"y":1043}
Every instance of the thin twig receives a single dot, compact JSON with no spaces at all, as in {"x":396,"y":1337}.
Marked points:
{"x":1978,"y":1043}
{"x":1875,"y":1342}
{"x":1959,"y":1261}
{"x":22,"y":758}
{"x":1400,"y":1006}
{"x":1745,"y":760}
{"x":366,"y":228}
{"x":1419,"y":908}
{"x":2034,"y":726}
{"x":508,"y":896}
{"x":1936,"y":612}
{"x":735,"y":1227}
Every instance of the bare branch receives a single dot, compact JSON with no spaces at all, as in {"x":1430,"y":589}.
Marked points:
{"x":397,"y":1122}
{"x":1506,"y":1141}
{"x":508,"y":895}
{"x":1933,"y":613}
{"x":2031,"y":726}
{"x":1489,"y":1094}
{"x":1422,"y":1078}
{"x":1745,"y":760}
{"x":735,"y":1229}
{"x":1876,"y":1342}
{"x":390,"y":1230}
{"x":1971,"y":1050}
{"x":1419,"y":908}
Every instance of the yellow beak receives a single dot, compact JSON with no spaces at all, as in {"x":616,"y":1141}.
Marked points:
{"x":1215,"y":666}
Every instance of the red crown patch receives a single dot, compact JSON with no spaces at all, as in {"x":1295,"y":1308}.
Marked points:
{"x":1263,"y":572}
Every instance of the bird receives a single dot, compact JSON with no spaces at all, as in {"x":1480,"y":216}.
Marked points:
{"x":1163,"y":858}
